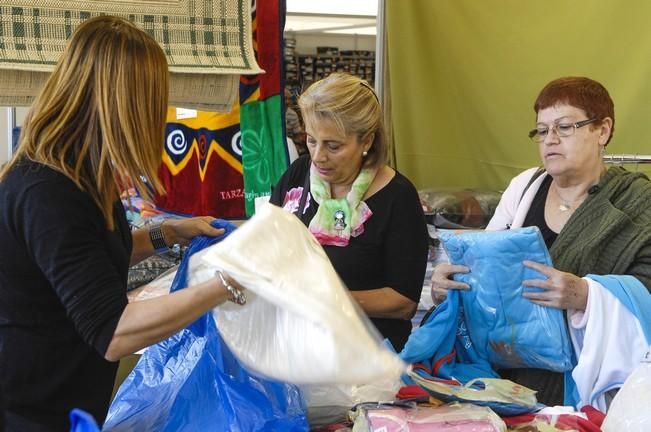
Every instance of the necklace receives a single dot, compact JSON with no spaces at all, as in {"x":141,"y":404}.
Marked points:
{"x":566,"y":205}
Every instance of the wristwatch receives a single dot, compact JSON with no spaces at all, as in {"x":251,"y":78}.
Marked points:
{"x":157,"y":238}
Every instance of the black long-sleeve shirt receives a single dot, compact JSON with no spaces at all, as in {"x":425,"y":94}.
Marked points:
{"x":62,"y":291}
{"x":391,"y":252}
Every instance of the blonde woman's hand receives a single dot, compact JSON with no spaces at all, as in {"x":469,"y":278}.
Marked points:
{"x":442,"y":281}
{"x":182,"y":231}
{"x":560,"y":290}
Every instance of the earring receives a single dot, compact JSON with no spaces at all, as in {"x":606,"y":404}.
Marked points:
{"x":602,"y":151}
{"x":364,"y":153}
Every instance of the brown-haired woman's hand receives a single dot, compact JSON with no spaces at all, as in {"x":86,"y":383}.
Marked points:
{"x":442,"y":280}
{"x":560,"y":290}
{"x":235,"y":291}
{"x":182,"y":231}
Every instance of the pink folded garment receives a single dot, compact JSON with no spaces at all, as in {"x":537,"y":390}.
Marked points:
{"x":449,"y":418}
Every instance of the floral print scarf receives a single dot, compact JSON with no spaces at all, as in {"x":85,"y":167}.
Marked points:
{"x":337,"y":219}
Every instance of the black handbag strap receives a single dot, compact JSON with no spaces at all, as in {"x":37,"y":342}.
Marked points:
{"x":536,"y":174}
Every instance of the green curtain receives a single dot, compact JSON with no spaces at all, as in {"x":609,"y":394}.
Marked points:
{"x":465,"y":74}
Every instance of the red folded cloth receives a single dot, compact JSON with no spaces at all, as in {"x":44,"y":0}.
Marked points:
{"x":562,"y":421}
{"x":412,"y":391}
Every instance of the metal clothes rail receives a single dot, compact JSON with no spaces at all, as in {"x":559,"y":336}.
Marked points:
{"x":627,"y":159}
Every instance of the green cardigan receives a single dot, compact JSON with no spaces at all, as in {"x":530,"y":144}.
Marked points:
{"x":610,"y":233}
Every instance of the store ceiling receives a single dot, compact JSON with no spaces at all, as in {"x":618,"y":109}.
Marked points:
{"x":331,"y":16}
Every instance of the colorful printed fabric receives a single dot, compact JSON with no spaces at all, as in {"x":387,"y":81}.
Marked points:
{"x":264,"y":153}
{"x":217,"y":164}
{"x":337,"y":219}
{"x":202,"y":165}
{"x":264,"y":149}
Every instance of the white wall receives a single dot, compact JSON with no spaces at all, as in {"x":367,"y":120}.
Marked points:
{"x":5,"y":129}
{"x":5,"y":134}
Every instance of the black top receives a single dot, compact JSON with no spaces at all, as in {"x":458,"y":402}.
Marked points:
{"x":391,"y":252}
{"x":536,"y":214}
{"x":62,"y":291}
{"x":548,"y":384}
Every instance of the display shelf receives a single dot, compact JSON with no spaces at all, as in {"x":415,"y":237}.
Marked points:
{"x":301,"y":70}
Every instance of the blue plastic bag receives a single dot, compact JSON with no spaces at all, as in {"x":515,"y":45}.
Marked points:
{"x":505,"y":327}
{"x":192,"y":382}
{"x":81,"y":421}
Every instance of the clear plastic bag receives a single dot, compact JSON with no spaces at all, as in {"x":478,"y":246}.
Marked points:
{"x":327,"y":404}
{"x":447,"y":418}
{"x":502,"y":396}
{"x":300,"y":324}
{"x":631,"y":408}
{"x":459,"y":208}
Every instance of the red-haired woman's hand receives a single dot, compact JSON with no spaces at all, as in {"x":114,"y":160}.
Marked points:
{"x":442,"y":281}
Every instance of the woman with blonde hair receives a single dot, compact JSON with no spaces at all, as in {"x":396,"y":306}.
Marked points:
{"x":366,"y":215}
{"x":64,"y":317}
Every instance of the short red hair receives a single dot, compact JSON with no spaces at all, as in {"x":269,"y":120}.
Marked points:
{"x":579,"y":92}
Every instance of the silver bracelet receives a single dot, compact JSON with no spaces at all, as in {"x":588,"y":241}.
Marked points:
{"x":236,"y":296}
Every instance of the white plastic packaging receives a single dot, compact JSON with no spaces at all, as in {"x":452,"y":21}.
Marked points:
{"x":299,"y":324}
{"x":330,"y":403}
{"x":631,"y":408}
{"x":451,"y":417}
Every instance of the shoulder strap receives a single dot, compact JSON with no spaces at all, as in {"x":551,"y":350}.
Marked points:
{"x":533,"y":178}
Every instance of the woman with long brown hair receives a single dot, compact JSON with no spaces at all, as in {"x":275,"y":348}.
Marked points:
{"x":66,"y":244}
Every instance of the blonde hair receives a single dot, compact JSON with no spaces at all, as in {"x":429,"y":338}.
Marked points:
{"x":352,"y":105}
{"x":100,"y":119}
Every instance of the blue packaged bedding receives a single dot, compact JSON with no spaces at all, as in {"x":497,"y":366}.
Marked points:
{"x":509,"y":330}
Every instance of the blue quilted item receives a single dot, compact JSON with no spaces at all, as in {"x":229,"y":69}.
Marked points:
{"x":509,"y":330}
{"x":441,"y":348}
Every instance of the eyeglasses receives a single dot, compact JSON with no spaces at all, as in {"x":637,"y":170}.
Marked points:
{"x":562,"y":129}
